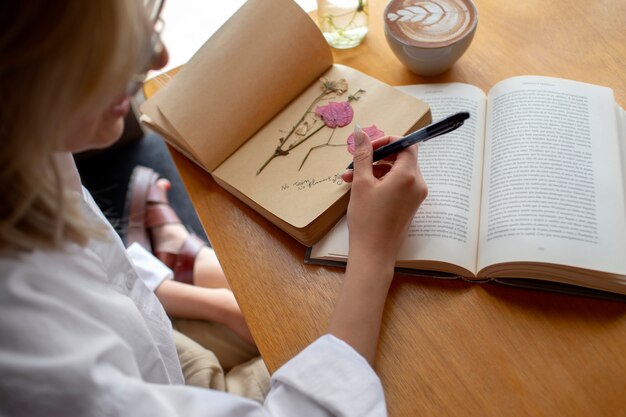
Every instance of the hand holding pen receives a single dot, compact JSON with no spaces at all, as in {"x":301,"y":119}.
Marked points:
{"x":442,"y":127}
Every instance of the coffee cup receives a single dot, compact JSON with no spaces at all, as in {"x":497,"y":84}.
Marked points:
{"x":429,"y":36}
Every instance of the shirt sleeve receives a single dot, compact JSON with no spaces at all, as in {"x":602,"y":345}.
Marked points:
{"x":149,"y":268}
{"x":79,"y":347}
{"x":328,"y":375}
{"x":328,"y":378}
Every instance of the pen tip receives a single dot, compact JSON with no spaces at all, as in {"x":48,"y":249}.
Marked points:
{"x":357,"y":128}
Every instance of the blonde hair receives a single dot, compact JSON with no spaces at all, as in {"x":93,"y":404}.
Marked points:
{"x":56,"y":57}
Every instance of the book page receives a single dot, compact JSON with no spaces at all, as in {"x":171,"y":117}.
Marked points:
{"x":621,"y":134}
{"x":302,"y":179}
{"x":445,"y":228}
{"x":552,"y":189}
{"x":245,"y":74}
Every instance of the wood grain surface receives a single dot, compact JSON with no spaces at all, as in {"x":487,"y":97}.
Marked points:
{"x":449,"y":347}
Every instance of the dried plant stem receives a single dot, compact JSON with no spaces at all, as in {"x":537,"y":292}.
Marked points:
{"x":308,"y":110}
{"x":321,"y":146}
{"x":279,"y":151}
{"x":301,"y":141}
{"x":282,"y":151}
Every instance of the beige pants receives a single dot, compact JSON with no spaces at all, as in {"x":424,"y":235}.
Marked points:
{"x":212,"y":356}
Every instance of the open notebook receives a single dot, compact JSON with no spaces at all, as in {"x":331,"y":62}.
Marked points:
{"x":250,"y":109}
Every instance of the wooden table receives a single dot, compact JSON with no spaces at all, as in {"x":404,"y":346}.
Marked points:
{"x":448,"y":347}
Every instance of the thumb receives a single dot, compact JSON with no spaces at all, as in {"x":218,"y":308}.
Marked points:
{"x":362,"y":152}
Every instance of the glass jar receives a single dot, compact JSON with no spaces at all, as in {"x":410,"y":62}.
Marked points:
{"x":344,"y":23}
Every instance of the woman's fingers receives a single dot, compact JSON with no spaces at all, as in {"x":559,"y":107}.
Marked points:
{"x":362,"y":154}
{"x":379,"y":169}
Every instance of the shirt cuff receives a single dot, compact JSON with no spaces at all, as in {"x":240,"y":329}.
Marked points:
{"x":331,"y":373}
{"x":149,"y":268}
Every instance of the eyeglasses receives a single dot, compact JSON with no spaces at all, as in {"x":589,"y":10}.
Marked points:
{"x":153,"y":12}
{"x":153,"y":9}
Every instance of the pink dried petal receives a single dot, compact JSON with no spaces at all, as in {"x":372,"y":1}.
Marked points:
{"x":372,"y":131}
{"x":335,"y":114}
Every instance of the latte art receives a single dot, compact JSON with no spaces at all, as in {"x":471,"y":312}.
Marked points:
{"x":431,"y":23}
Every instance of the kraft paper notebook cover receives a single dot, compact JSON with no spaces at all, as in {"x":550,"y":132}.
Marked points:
{"x":530,"y":191}
{"x":233,"y":104}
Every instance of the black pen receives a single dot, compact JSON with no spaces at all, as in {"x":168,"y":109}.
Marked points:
{"x":433,"y":130}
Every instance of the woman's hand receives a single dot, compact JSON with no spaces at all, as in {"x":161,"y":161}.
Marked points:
{"x":384,"y":197}
{"x":383,"y":201}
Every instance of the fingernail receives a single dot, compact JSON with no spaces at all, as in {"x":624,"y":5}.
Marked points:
{"x":358,"y":135}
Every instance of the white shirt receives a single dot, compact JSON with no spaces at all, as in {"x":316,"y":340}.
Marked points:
{"x":82,"y":335}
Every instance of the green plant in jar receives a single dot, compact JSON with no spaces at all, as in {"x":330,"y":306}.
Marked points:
{"x":344,"y":23}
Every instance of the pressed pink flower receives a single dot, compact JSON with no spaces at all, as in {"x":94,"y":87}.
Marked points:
{"x":372,"y":131}
{"x":335,"y":114}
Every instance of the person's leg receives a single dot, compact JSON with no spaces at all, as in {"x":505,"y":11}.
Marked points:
{"x":118,"y":162}
{"x":168,"y":238}
{"x":208,"y":318}
{"x":217,"y":305}
{"x":201,"y":368}
{"x":229,"y":348}
{"x":199,"y":290}
{"x":250,"y":380}
{"x":209,"y":298}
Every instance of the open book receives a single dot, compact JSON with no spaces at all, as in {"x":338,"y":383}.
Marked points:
{"x":253,"y":108}
{"x":531,"y":187}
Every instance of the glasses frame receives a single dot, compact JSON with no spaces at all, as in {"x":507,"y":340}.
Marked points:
{"x":153,"y":10}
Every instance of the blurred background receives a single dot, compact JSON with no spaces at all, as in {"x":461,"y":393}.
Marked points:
{"x":189,"y":23}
